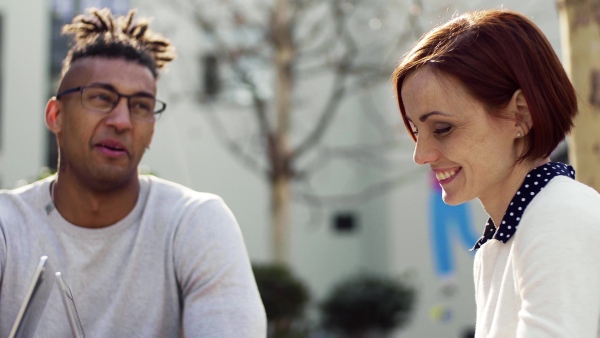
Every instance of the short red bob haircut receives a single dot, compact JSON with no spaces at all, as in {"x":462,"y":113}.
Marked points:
{"x":493,"y":53}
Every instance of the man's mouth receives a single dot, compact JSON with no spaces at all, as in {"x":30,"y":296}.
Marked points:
{"x":112,"y":148}
{"x":109,"y":147}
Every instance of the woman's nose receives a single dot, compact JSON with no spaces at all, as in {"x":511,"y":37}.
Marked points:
{"x":425,"y":151}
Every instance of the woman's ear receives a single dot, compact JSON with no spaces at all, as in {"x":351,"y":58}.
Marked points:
{"x":522,"y":114}
{"x":53,"y":116}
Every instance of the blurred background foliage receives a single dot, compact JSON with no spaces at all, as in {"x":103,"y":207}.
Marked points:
{"x":284,"y":296}
{"x":368,"y":305}
{"x":359,"y":306}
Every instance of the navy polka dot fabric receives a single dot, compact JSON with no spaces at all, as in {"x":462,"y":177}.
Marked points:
{"x":535,"y":181}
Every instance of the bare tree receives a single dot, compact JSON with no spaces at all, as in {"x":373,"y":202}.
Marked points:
{"x":580,"y":27}
{"x":265,"y":49}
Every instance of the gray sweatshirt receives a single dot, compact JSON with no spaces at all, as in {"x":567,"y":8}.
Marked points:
{"x":175,"y":266}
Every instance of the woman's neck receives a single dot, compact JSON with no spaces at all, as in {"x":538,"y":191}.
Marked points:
{"x":496,"y":202}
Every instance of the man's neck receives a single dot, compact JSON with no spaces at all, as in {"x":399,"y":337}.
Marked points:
{"x":89,"y":208}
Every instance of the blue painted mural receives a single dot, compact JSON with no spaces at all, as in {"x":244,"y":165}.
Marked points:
{"x":449,"y":226}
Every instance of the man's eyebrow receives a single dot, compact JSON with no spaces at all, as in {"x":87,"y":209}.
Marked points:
{"x":111,"y":87}
{"x":103,"y":85}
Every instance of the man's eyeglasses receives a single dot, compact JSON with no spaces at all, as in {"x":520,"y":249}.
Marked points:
{"x":104,"y":100}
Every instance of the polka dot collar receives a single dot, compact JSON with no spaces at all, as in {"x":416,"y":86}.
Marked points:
{"x":535,"y":181}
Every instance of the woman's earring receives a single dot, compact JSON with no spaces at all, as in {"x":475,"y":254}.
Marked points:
{"x":518,"y":134}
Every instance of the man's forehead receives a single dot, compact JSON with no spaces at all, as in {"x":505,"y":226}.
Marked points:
{"x":114,"y":71}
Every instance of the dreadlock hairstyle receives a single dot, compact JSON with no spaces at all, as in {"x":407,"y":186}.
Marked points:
{"x":99,"y":34}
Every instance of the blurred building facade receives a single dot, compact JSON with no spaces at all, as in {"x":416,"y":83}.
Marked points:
{"x":406,"y":229}
{"x":24,"y":73}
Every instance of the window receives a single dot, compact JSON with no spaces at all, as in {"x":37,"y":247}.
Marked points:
{"x":211,"y":81}
{"x":345,"y":222}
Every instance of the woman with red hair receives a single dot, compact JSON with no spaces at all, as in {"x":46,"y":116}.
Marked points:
{"x":486,"y":101}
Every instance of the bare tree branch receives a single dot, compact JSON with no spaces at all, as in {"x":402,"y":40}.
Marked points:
{"x":373,"y":115}
{"x":326,"y":117}
{"x":285,"y":42}
{"x":314,"y":28}
{"x":371,"y":155}
{"x":260,"y":106}
{"x":235,"y":146}
{"x":232,"y":55}
{"x":339,"y":88}
{"x":359,"y":197}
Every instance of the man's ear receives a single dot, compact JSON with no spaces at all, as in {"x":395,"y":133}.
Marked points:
{"x":522,"y":114}
{"x":54,"y":115}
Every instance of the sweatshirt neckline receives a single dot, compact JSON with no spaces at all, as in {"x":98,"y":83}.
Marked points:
{"x":58,"y":221}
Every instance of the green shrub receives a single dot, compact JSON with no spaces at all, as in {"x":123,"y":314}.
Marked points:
{"x":284,"y":297}
{"x":363,"y":304}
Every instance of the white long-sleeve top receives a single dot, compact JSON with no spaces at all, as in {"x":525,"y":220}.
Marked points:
{"x":545,"y":280}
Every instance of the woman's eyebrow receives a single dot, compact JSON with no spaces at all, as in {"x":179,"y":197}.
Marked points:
{"x":424,"y":117}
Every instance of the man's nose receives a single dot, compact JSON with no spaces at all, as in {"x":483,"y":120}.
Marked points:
{"x":120,"y":116}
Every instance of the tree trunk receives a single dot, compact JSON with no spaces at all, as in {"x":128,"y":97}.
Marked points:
{"x":280,"y":198}
{"x":580,"y":36}
{"x":281,"y":173}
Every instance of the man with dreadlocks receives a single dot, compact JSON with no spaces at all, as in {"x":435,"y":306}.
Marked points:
{"x":143,"y":257}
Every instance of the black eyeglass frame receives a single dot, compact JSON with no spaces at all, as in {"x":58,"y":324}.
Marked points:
{"x":119,"y":96}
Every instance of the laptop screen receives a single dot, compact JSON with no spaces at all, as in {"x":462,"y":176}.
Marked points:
{"x":35,"y":301}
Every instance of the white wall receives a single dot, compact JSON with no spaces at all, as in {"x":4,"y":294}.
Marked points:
{"x":25,"y":39}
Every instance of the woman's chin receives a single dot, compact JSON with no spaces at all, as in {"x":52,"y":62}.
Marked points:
{"x":452,"y":199}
